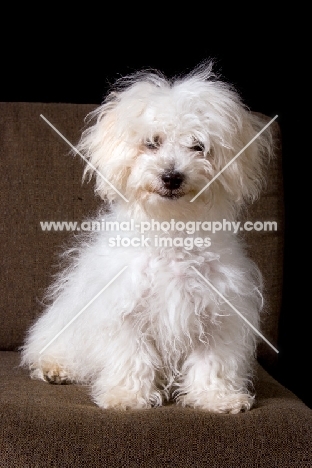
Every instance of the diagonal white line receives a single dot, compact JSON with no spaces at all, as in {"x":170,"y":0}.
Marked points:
{"x":87,"y":162}
{"x":233,"y":159}
{"x":235,"y":310}
{"x":83,"y":309}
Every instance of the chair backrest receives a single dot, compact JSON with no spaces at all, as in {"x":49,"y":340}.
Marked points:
{"x":41,"y":181}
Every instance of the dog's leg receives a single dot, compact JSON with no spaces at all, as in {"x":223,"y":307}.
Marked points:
{"x":127,"y":387}
{"x":213,"y":383}
{"x":130,"y":373}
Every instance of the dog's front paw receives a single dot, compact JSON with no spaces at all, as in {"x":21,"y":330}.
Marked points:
{"x":217,"y":403}
{"x":52,"y":373}
{"x":124,"y":399}
{"x":56,"y":375}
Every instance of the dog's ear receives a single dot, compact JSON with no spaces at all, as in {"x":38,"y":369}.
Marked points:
{"x":247,"y":154}
{"x":107,"y":148}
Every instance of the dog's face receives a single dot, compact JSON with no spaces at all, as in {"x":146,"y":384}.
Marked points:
{"x":168,"y":170}
{"x":159,"y":143}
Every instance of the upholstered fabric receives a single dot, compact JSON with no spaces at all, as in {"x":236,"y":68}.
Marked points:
{"x":44,"y":425}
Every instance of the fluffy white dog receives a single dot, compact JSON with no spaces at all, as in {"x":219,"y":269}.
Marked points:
{"x":146,"y":319}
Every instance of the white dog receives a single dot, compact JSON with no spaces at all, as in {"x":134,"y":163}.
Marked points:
{"x":145,"y":316}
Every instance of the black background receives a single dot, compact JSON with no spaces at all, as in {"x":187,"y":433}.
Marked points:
{"x":47,"y":57}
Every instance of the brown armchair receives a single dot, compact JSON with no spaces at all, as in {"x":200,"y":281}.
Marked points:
{"x":46,"y":425}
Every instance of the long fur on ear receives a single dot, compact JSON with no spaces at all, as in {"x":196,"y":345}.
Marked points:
{"x":244,"y":178}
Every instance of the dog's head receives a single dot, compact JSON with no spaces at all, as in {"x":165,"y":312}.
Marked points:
{"x":159,"y":142}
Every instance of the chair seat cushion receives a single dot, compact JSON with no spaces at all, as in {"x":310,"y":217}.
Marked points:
{"x":44,"y":425}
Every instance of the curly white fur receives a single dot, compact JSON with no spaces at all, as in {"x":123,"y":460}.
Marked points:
{"x":159,"y":331}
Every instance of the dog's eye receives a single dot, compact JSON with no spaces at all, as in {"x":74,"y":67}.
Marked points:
{"x":198,"y":146}
{"x":153,"y":143}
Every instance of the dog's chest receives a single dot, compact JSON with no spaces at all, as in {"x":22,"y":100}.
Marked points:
{"x":174,"y":306}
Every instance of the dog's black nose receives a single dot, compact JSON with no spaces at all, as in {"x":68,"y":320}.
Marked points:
{"x":172,"y":180}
